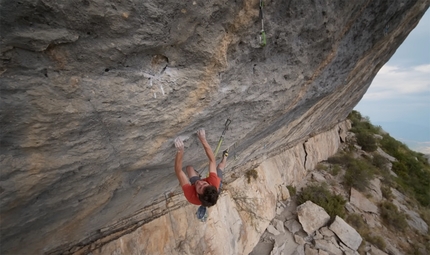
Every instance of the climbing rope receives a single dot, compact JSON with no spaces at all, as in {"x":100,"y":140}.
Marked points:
{"x":221,"y":139}
{"x":227,"y":123}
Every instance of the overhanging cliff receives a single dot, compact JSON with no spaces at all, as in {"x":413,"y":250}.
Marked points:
{"x":94,"y":92}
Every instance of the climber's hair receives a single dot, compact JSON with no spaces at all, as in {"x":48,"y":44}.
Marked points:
{"x":209,"y":196}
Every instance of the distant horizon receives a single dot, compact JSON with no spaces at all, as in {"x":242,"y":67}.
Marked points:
{"x":398,"y":99}
{"x":399,"y":131}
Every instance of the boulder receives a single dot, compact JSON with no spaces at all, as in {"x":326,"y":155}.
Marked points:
{"x":309,"y":250}
{"x":399,"y":196}
{"x":347,"y":234}
{"x":288,"y":240}
{"x":279,"y":210}
{"x":328,"y":246}
{"x":375,"y":251}
{"x":385,"y":155}
{"x":272,"y":230}
{"x":326,"y":232}
{"x":346,"y":250}
{"x":318,"y":235}
{"x":371,"y":220}
{"x":392,"y":250}
{"x":300,"y":250}
{"x":350,"y":208}
{"x":279,"y":225}
{"x":414,"y":220}
{"x":312,"y":216}
{"x":293,"y":226}
{"x":262,"y":248}
{"x":375,"y":189}
{"x":299,"y":239}
{"x":361,"y":202}
{"x":276,"y":251}
{"x":318,"y":177}
{"x":284,"y":192}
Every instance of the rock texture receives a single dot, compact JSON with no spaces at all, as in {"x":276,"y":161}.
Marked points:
{"x":312,"y":217}
{"x":361,"y":202}
{"x":237,"y":221}
{"x":94,"y":92}
{"x":347,"y":234}
{"x":340,"y":237}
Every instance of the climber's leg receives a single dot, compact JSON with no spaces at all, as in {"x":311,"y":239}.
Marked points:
{"x":192,"y":174}
{"x":223,"y":162}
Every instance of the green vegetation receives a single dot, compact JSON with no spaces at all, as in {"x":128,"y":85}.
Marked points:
{"x":411,"y":167}
{"x":251,"y":173}
{"x":379,"y":161}
{"x":364,"y":131}
{"x":292,"y":190}
{"x":362,"y":125}
{"x":376,"y":240}
{"x":358,"y":173}
{"x":392,"y":217}
{"x":320,"y":195}
{"x":320,"y":166}
{"x":356,"y":221}
{"x":367,"y":141}
{"x":340,"y":159}
{"x":335,"y":170}
{"x":386,"y":192}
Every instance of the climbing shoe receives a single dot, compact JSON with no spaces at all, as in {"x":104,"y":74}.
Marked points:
{"x":202,"y":213}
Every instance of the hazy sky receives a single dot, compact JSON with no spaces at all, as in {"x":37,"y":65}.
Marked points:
{"x":399,"y":97}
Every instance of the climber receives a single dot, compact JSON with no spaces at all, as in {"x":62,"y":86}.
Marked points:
{"x":196,"y":190}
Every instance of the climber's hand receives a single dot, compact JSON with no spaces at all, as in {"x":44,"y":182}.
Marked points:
{"x":179,"y":144}
{"x":201,"y":134}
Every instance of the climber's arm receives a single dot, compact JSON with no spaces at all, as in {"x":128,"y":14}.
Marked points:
{"x":178,"y":163}
{"x":209,"y":153}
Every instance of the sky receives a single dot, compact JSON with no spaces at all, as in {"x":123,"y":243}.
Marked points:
{"x":398,"y":99}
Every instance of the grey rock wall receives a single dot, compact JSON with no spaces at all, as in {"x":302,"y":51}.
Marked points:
{"x":94,"y":92}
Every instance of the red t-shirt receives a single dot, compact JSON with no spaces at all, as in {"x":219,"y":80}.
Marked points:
{"x":190,"y":190}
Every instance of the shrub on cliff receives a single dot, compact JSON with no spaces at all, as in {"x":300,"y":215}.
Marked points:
{"x":412,"y":168}
{"x":366,"y":141}
{"x":362,"y":125}
{"x":358,"y":174}
{"x":321,"y":195}
{"x":340,"y":159}
{"x":392,"y":216}
{"x":380,"y":162}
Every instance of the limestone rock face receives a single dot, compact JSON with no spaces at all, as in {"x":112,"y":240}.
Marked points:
{"x":347,"y":234}
{"x":361,"y":202}
{"x":328,"y":246}
{"x":312,"y":216}
{"x":94,"y":92}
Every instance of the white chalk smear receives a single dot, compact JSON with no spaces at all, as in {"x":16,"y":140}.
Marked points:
{"x":162,"y":90}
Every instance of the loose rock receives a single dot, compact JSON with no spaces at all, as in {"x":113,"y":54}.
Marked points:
{"x":312,"y":216}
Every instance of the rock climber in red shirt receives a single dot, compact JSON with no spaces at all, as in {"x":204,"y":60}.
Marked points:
{"x":200,"y":191}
